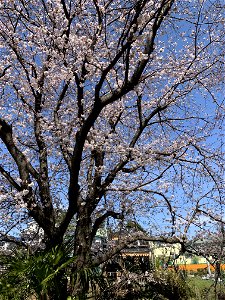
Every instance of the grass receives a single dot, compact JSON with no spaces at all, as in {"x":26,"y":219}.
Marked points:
{"x":204,"y":289}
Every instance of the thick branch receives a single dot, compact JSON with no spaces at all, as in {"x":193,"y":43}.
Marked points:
{"x":67,"y":15}
{"x":101,"y":219}
{"x":24,"y":166}
{"x":64,"y":151}
{"x":43,"y":180}
{"x":11,"y":239}
{"x":10,"y":179}
{"x":4,"y":71}
{"x":77,"y":155}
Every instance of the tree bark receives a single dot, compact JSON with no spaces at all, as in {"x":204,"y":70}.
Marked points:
{"x":82,"y":252}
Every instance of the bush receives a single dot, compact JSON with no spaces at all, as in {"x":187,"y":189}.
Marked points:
{"x":201,"y":272}
{"x":160,"y":285}
{"x":171,"y":285}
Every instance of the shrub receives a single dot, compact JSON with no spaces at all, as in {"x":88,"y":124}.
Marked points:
{"x":160,"y":285}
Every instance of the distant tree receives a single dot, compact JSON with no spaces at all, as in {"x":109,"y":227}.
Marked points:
{"x":211,"y":245}
{"x":110,"y":109}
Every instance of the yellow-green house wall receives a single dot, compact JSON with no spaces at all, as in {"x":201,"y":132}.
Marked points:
{"x":171,"y":251}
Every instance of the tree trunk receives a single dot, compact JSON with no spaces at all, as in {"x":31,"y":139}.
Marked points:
{"x":217,"y":276}
{"x":82,"y":251}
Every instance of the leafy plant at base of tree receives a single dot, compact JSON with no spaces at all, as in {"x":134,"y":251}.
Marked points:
{"x":42,"y":273}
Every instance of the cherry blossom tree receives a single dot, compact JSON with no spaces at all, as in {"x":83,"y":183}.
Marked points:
{"x":110,"y":110}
